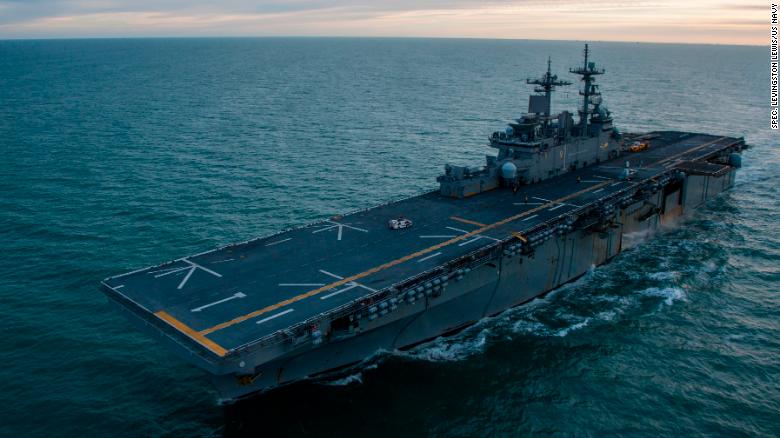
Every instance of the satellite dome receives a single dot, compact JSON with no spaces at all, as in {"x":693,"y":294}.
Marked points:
{"x":508,"y":170}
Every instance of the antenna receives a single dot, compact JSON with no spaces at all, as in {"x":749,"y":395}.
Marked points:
{"x":587,"y":71}
{"x":546,"y":84}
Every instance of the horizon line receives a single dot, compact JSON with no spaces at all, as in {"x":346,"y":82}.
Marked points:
{"x":369,"y":37}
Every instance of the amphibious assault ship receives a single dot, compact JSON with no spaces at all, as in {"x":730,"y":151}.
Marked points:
{"x":559,"y":197}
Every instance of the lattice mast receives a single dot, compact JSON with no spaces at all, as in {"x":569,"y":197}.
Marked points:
{"x":587,"y":71}
{"x":546,"y":84}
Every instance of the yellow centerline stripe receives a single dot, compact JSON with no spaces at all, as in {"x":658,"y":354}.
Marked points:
{"x":195,"y":336}
{"x":394,"y":262}
{"x":466,"y":221}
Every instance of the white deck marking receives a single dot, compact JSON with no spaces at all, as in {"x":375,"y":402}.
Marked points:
{"x":557,"y":207}
{"x":186,"y":277}
{"x":232,"y":297}
{"x":339,"y":227}
{"x":193,"y":267}
{"x":478,"y":236}
{"x":164,"y":270}
{"x":541,"y":199}
{"x":324,"y":228}
{"x":616,"y":184}
{"x":274,"y":316}
{"x":429,"y":257}
{"x":529,"y":203}
{"x":350,"y":286}
{"x":590,"y":181}
{"x":202,"y":267}
{"x":437,"y":237}
{"x":278,"y":242}
{"x":222,"y":261}
{"x":351,"y":227}
{"x":301,"y":284}
{"x":470,"y":241}
{"x":338,"y":277}
{"x":529,"y":218}
{"x":170,"y":271}
{"x":599,"y":190}
{"x":119,"y":287}
{"x":601,"y":177}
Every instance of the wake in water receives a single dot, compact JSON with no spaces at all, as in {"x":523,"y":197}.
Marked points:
{"x":625,"y":288}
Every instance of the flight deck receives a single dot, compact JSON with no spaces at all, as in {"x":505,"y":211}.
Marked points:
{"x":560,"y":196}
{"x":236,"y":295}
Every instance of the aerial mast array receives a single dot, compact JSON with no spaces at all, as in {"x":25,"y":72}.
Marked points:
{"x":587,"y":71}
{"x":546,"y":84}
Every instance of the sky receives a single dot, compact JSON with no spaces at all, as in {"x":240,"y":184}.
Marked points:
{"x":686,"y":21}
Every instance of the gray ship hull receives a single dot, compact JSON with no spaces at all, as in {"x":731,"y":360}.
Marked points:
{"x":493,"y":288}
{"x":556,"y":200}
{"x":223,"y":312}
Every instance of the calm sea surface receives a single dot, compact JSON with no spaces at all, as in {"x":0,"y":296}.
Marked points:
{"x":119,"y":154}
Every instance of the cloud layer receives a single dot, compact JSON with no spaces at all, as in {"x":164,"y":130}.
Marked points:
{"x":622,"y":20}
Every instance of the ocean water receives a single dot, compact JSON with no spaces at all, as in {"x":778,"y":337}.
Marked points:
{"x":119,"y":154}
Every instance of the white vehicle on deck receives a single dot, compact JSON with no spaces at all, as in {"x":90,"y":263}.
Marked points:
{"x":400,"y":223}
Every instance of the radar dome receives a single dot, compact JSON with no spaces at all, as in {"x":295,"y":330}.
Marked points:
{"x":508,"y":170}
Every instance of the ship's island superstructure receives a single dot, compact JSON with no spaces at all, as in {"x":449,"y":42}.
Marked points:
{"x":558,"y":198}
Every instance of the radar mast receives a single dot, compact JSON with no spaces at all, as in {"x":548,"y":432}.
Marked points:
{"x":587,"y":71}
{"x":546,"y":84}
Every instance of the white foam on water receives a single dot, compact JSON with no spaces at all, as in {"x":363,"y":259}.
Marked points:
{"x":531,"y":318}
{"x":450,"y":349}
{"x":623,"y":302}
{"x":356,"y":377}
{"x":351,"y":379}
{"x":669,"y":294}
{"x":607,"y":315}
{"x":664,"y":275}
{"x":530,"y":327}
{"x":631,"y":240}
{"x":710,"y":266}
{"x":566,"y":330}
